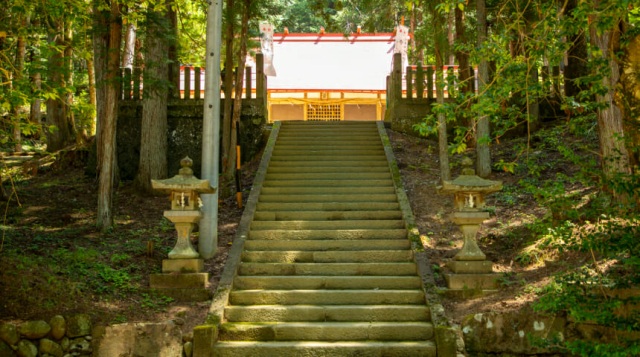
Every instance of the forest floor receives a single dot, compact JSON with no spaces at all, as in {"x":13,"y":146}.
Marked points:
{"x":53,"y":260}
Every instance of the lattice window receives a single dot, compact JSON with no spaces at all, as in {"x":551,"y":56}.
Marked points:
{"x":324,"y":112}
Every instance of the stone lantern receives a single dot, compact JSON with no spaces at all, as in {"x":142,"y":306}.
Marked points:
{"x":182,"y":272}
{"x":470,"y":268}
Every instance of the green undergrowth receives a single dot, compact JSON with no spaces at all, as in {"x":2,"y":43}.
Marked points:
{"x":588,"y":226}
{"x":53,"y":260}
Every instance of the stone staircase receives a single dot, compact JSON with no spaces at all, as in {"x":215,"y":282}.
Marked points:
{"x":327,"y":269}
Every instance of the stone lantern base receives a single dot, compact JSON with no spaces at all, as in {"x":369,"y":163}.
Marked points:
{"x":470,"y":278}
{"x":182,"y":280}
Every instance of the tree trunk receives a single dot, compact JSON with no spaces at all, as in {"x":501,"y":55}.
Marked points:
{"x":107,"y":135}
{"x":172,"y":50}
{"x":615,"y":156}
{"x":153,"y":141}
{"x":439,"y":41}
{"x":91,"y":73}
{"x":576,"y":56}
{"x":58,"y":111}
{"x":228,"y":87}
{"x":237,"y":100}
{"x":464,"y":71}
{"x":16,"y":111}
{"x":100,"y":47}
{"x":451,"y":30}
{"x":483,"y":163}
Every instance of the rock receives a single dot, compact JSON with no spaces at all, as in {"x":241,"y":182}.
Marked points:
{"x":65,"y":343}
{"x":188,"y":349}
{"x":9,"y":334}
{"x":34,"y":329}
{"x":5,"y":350}
{"x":49,"y":347}
{"x":139,"y":339}
{"x":27,"y":349}
{"x":78,"y":325}
{"x":510,"y":333}
{"x":58,"y":327}
{"x":80,"y":346}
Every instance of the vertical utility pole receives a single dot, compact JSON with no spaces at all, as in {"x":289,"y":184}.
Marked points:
{"x":208,"y":241}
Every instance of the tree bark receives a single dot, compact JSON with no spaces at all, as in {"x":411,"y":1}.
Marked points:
{"x":58,"y":110}
{"x":576,"y":56}
{"x":483,"y":162}
{"x":16,"y":112}
{"x":439,"y":40}
{"x":228,"y":87}
{"x":614,"y":153}
{"x":237,"y":100}
{"x":107,"y":135}
{"x":92,"y":93}
{"x":153,"y":141}
{"x":464,"y":71}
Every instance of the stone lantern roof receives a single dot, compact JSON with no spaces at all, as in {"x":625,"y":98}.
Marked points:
{"x":183,"y":181}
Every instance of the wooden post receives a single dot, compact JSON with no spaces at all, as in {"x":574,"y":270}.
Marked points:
{"x":187,"y":83}
{"x":137,"y":92}
{"x":197,"y":74}
{"x":430,"y":82}
{"x":126,"y":84}
{"x":247,"y":86}
{"x":396,"y":80}
{"x":261,"y":85}
{"x":420,"y":81}
{"x":409,"y":77}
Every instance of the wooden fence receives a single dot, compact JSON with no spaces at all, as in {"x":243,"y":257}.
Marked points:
{"x":419,"y":82}
{"x":192,"y":83}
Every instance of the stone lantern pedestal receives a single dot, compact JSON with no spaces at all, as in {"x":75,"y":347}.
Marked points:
{"x":469,"y":271}
{"x":182,"y":275}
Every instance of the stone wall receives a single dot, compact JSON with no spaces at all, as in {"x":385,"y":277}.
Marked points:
{"x":75,"y":336}
{"x":60,"y":337}
{"x":184,"y":133}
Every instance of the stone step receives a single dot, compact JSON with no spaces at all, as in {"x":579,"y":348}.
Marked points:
{"x":254,"y":282}
{"x":329,"y":198}
{"x":327,"y":132}
{"x":326,"y":206}
{"x":341,"y":234}
{"x":328,"y":245}
{"x":352,"y":313}
{"x":327,"y":331}
{"x":326,"y":169}
{"x":347,"y":145}
{"x":327,"y":225}
{"x":326,"y":190}
{"x":332,"y":150}
{"x":358,"y":256}
{"x":327,"y":157}
{"x":277,"y":163}
{"x":328,"y":142}
{"x":325,"y":349}
{"x":326,"y":215}
{"x":333,"y":269}
{"x":327,"y":183}
{"x":328,"y":176}
{"x":326,"y":297}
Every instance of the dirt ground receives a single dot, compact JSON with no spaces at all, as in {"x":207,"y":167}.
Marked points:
{"x":56,"y":214}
